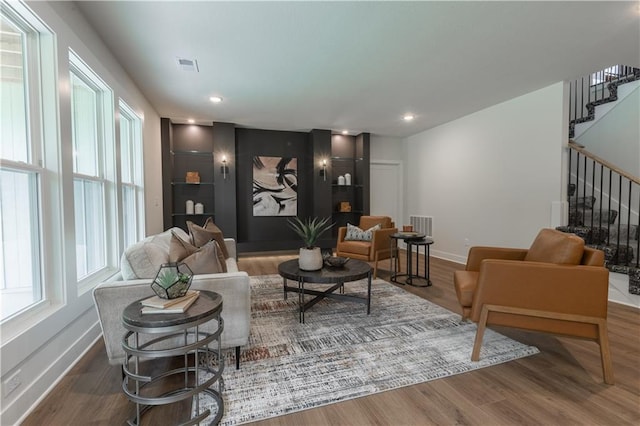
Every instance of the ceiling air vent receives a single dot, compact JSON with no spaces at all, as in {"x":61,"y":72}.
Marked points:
{"x":188,"y":64}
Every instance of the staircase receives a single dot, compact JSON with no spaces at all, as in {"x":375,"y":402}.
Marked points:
{"x":604,"y":201}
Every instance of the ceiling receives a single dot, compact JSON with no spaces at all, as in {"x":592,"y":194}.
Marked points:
{"x":357,"y":65}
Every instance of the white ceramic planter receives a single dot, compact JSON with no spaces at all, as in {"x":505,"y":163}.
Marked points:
{"x":310,"y":259}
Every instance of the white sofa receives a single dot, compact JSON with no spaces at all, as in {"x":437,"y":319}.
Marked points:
{"x":113,"y":295}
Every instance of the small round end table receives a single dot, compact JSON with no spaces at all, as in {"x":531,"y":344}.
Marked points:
{"x":161,"y":335}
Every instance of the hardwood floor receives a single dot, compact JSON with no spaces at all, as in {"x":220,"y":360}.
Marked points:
{"x":562,"y":385}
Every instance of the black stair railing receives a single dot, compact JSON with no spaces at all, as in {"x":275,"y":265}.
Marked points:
{"x":605,"y":200}
{"x":595,"y":89}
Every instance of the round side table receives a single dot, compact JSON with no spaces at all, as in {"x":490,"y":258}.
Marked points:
{"x":153,"y":336}
{"x":411,"y":244}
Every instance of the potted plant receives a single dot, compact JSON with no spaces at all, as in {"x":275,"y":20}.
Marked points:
{"x":310,"y":230}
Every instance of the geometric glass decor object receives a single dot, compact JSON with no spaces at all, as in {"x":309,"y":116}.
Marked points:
{"x":173,"y":280}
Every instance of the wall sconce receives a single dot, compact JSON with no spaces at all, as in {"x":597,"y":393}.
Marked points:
{"x":323,"y":172}
{"x":224,"y":169}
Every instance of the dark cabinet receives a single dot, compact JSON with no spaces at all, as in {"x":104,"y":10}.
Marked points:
{"x":349,"y":179}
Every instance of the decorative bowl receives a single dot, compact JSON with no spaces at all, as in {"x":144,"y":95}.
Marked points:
{"x":336,"y":261}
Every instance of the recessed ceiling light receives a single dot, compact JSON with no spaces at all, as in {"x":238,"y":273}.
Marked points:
{"x":191,"y":121}
{"x":345,"y":132}
{"x":215,"y":99}
{"x":408,"y":117}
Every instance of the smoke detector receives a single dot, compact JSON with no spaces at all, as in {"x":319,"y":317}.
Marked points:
{"x":186,"y":64}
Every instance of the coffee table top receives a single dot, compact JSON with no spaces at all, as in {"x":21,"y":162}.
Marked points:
{"x":352,"y":270}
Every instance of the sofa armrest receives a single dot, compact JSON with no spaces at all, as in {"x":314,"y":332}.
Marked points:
{"x":479,"y":253}
{"x":567,"y":289}
{"x":231,"y":247}
{"x":111,"y":298}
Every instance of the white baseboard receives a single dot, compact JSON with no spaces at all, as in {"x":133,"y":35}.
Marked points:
{"x":619,"y":290}
{"x":32,"y":395}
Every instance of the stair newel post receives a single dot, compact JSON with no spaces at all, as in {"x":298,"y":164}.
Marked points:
{"x":593,"y":188}
{"x":610,"y":186}
{"x":619,"y":219}
{"x":629,"y":219}
{"x":577,"y":187}
{"x":601,"y":183}
{"x":584,"y":190}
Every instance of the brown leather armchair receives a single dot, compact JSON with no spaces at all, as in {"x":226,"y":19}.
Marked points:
{"x":378,"y":248}
{"x":557,"y":286}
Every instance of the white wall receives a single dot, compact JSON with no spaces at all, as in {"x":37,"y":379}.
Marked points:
{"x":51,"y":346}
{"x":616,"y":136}
{"x":386,"y":148}
{"x":490,"y":178}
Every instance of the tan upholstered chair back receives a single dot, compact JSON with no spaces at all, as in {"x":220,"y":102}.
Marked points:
{"x":367,"y":222}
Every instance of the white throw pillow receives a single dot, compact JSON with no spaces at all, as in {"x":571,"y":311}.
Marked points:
{"x":356,"y":234}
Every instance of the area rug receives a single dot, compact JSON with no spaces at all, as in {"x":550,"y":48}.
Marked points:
{"x":342,"y":353}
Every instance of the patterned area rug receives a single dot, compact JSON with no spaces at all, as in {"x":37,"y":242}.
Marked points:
{"x":342,"y":353}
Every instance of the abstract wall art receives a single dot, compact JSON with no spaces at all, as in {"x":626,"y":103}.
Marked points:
{"x":275,"y":186}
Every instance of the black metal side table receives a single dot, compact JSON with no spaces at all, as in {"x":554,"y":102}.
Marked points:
{"x":395,"y":258}
{"x":417,"y":243}
{"x":153,"y":336}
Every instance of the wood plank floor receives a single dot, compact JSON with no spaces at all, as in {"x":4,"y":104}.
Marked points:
{"x":560,"y":386}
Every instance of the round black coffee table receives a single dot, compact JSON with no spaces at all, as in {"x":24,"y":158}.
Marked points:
{"x":353,"y":270}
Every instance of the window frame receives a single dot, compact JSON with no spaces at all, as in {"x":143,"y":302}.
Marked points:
{"x":136,"y":172}
{"x":106,"y":169}
{"x":43,"y":162}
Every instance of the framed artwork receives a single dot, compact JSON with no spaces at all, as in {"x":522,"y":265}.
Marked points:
{"x":275,"y":186}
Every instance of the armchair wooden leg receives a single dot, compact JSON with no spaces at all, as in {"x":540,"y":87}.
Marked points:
{"x":605,"y":354}
{"x":482,"y":325}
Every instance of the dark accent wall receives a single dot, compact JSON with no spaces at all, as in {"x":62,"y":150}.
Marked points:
{"x":230,"y":200}
{"x":259,"y":233}
{"x":167,"y":171}
{"x":224,"y":141}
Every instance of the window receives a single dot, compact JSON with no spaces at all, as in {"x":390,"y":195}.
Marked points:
{"x":131,"y":167}
{"x":21,"y":164}
{"x":93,"y":170}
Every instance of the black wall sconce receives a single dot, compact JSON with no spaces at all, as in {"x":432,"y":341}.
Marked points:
{"x":224,"y":169}
{"x":323,"y":171}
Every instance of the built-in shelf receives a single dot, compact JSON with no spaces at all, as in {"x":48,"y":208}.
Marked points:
{"x":192,"y":183}
{"x":192,"y":214}
{"x":201,"y":153}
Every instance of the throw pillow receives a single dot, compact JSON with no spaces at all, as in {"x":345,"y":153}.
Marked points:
{"x":201,"y":235}
{"x":205,"y":260}
{"x":218,"y":236}
{"x":179,"y":248}
{"x":553,"y":246}
{"x":356,"y":234}
{"x":221,"y":259}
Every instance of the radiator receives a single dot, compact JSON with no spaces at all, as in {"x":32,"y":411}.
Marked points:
{"x":423,"y":224}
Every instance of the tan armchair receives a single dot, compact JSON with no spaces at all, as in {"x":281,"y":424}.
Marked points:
{"x":557,"y":286}
{"x":378,"y":248}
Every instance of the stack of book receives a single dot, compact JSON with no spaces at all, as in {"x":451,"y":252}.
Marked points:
{"x":158,"y":305}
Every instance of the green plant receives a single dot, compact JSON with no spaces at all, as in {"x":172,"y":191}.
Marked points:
{"x":310,"y":229}
{"x":167,"y":278}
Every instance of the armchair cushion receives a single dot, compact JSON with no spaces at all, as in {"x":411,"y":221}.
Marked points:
{"x":355,"y":233}
{"x":552,"y":246}
{"x":362,"y":248}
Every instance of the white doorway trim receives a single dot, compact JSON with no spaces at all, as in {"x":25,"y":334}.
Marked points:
{"x":400,"y":173}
